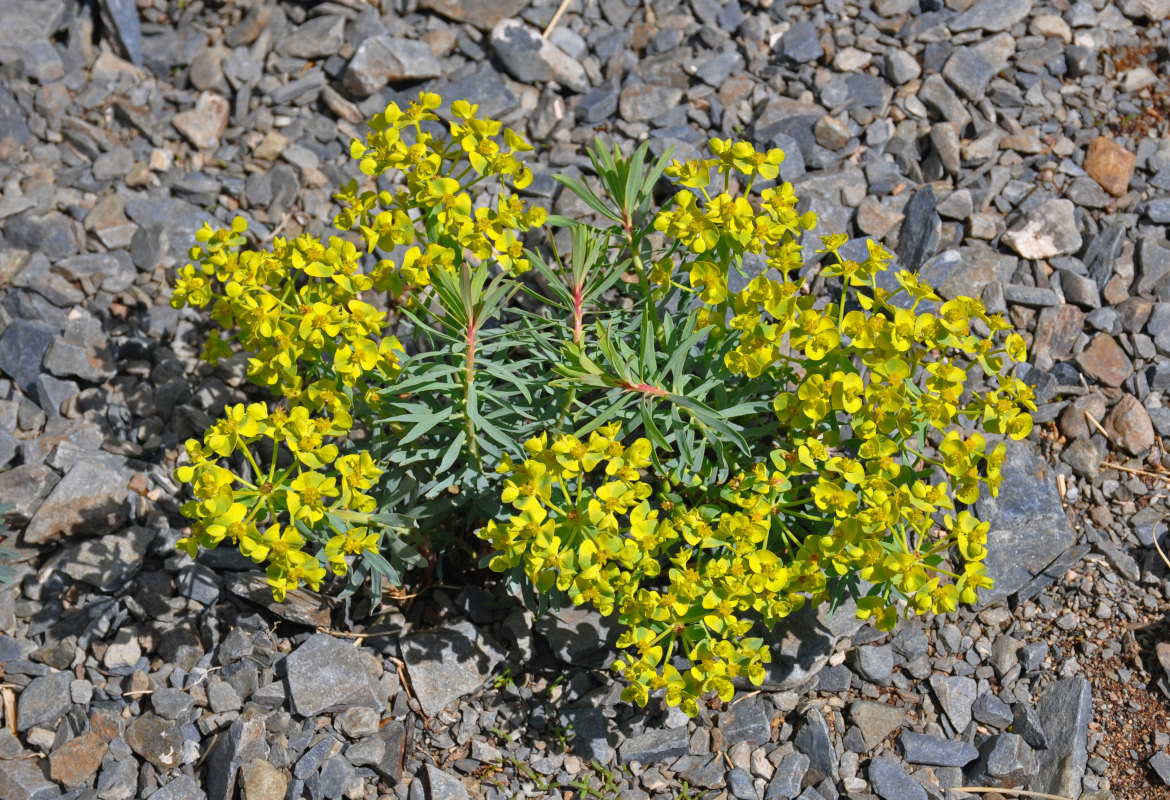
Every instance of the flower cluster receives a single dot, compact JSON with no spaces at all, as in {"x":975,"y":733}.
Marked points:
{"x":848,"y":490}
{"x":297,"y":310}
{"x":438,"y":174}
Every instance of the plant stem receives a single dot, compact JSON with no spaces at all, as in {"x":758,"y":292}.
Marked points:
{"x":468,"y":379}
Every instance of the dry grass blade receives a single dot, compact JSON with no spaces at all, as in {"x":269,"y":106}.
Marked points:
{"x":1097,"y":425}
{"x":552,"y":23}
{"x":1009,"y":792}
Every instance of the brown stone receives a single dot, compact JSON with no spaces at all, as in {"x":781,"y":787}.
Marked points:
{"x":483,"y":14}
{"x":1129,"y":425}
{"x":1057,"y":329}
{"x":74,"y":762}
{"x":1110,"y":165}
{"x":106,"y":724}
{"x":259,"y":780}
{"x":203,"y":125}
{"x":1105,"y":361}
{"x":157,"y":740}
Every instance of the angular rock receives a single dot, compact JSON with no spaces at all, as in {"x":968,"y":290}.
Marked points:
{"x":787,"y":779}
{"x":969,"y":72}
{"x":891,"y":782}
{"x":244,"y":742}
{"x":813,"y":738}
{"x":530,"y":58}
{"x":259,"y":780}
{"x":91,"y":498}
{"x":1128,"y":424}
{"x":22,"y":351}
{"x":1048,"y":230}
{"x":645,"y":102}
{"x":483,"y":14}
{"x":746,"y":721}
{"x":300,"y":606}
{"x":1026,"y":722}
{"x":121,"y":17}
{"x":319,"y":37}
{"x":326,"y":674}
{"x":955,"y":696}
{"x":1104,"y":361}
{"x":446,"y":664}
{"x":579,"y":636}
{"x":875,"y":720}
{"x":444,"y":786}
{"x":654,"y":746}
{"x":991,"y":15}
{"x":1029,"y":528}
{"x":24,"y":779}
{"x":990,"y":710}
{"x":1110,"y":165}
{"x":204,"y":125}
{"x":801,"y":43}
{"x":157,"y":740}
{"x":935,"y":751}
{"x":388,"y":59}
{"x":919,"y":236}
{"x":74,"y":762}
{"x":1065,"y":710}
{"x":44,"y":701}
{"x":1004,"y":760}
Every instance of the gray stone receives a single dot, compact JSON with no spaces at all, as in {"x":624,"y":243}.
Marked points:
{"x":935,"y":751}
{"x":105,"y":270}
{"x":646,"y":103}
{"x":739,"y":782}
{"x":388,"y":59}
{"x":319,"y":37}
{"x":813,"y":738}
{"x":874,"y":663}
{"x":326,"y":674}
{"x":243,"y":742}
{"x":19,"y":27}
{"x":44,"y":701}
{"x":337,"y":775}
{"x":24,"y":779}
{"x":91,"y":498}
{"x":919,"y":236}
{"x":530,"y":58}
{"x":579,"y":635}
{"x":991,"y":15}
{"x":901,"y":67}
{"x":801,"y":43}
{"x":990,"y":710}
{"x":108,"y":562}
{"x":654,"y":746}
{"x":25,"y":487}
{"x":969,"y":72}
{"x":1065,"y":710}
{"x":955,"y":695}
{"x":22,"y":350}
{"x":446,"y":664}
{"x":443,"y":786}
{"x":1048,"y":230}
{"x":204,"y":125}
{"x":746,"y":721}
{"x":1080,"y":290}
{"x":170,"y":703}
{"x":1160,"y":763}
{"x":788,"y":778}
{"x":121,"y":17}
{"x":1026,"y":722}
{"x":891,"y":782}
{"x":357,"y":722}
{"x":942,"y":101}
{"x":1028,"y":526}
{"x":1004,"y":760}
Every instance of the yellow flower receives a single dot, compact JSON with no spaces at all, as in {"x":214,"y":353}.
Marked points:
{"x":306,"y":496}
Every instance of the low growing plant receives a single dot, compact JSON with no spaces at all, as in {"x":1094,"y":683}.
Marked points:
{"x":617,"y":424}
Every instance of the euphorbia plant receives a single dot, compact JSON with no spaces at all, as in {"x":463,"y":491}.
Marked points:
{"x":618,"y":425}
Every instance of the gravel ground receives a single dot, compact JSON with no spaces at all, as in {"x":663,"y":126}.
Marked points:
{"x":1007,"y":149}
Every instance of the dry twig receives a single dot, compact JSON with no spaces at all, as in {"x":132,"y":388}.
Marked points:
{"x":557,"y":17}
